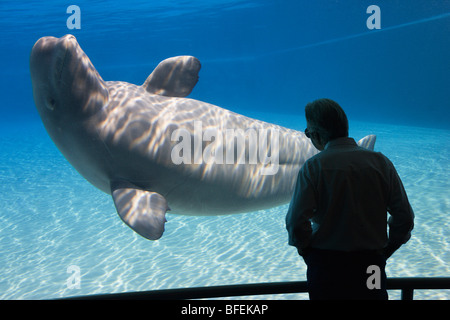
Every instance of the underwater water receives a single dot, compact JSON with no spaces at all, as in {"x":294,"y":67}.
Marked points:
{"x":52,"y":218}
{"x":263,"y":59}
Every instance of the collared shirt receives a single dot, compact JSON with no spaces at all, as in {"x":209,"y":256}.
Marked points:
{"x":341,"y":200}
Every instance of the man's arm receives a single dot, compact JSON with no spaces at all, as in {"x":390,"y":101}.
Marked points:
{"x":401,"y":221}
{"x":301,"y":210}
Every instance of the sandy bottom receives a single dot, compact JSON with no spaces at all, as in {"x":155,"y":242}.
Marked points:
{"x":52,"y":219}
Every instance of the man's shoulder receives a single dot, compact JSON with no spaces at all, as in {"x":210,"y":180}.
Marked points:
{"x":354,"y":153}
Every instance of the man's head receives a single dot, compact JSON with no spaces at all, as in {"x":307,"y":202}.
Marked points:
{"x":326,"y":121}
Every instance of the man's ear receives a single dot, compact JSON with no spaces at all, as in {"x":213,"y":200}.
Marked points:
{"x":320,"y":141}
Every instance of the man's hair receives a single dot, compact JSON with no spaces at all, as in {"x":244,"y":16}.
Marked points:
{"x":326,"y":117}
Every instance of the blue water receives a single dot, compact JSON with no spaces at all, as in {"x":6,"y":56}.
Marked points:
{"x":265,"y":59}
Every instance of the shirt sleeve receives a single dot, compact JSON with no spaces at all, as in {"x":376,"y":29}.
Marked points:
{"x":401,"y":220}
{"x":301,"y":210}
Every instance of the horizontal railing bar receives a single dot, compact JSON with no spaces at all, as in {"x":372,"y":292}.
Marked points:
{"x":255,"y":289}
{"x":418,"y":283}
{"x":205,"y":292}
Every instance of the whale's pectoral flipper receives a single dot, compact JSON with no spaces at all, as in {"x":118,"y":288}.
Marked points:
{"x":174,"y":77}
{"x":143,"y":211}
{"x":368,"y":142}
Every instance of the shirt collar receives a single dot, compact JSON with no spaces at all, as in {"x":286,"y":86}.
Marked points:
{"x":344,"y":141}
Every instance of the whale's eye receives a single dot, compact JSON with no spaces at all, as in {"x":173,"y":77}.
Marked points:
{"x":50,"y":104}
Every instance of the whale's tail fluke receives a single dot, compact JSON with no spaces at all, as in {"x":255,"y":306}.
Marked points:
{"x":368,"y":142}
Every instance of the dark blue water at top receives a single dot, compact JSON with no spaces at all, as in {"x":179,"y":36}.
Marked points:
{"x":256,"y":55}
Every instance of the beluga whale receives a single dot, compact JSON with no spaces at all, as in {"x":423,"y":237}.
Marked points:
{"x":154,"y":150}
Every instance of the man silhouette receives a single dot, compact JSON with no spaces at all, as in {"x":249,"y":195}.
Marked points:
{"x":337,"y":218}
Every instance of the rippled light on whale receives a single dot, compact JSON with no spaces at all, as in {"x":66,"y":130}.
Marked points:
{"x":153,"y":149}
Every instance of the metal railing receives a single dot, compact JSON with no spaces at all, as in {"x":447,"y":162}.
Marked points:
{"x":406,"y":285}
